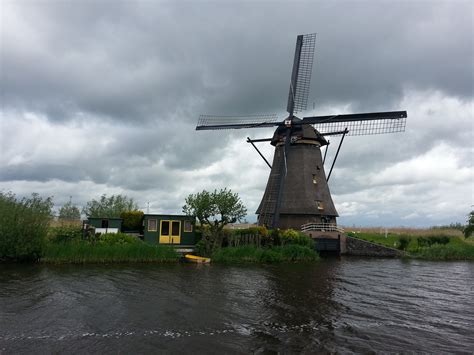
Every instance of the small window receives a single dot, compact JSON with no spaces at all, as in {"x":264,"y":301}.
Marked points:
{"x":188,"y":226}
{"x":320,"y":205}
{"x":105,"y":223}
{"x":175,"y":226}
{"x":317,"y":167}
{"x":152,"y":225}
{"x":165,"y":228}
{"x":315,"y":181}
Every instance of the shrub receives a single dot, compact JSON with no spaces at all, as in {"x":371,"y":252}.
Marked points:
{"x":429,"y":241}
{"x":403,"y":243}
{"x":291,"y":236}
{"x":117,"y":239}
{"x":65,"y":234}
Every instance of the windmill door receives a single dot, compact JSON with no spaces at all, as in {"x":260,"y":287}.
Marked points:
{"x":170,"y":232}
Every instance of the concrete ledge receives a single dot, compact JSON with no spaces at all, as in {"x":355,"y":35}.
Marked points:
{"x":359,"y":247}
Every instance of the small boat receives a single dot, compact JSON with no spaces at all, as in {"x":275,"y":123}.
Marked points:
{"x":197,"y":259}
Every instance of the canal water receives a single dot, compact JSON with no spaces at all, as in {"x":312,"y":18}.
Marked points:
{"x":338,"y":305}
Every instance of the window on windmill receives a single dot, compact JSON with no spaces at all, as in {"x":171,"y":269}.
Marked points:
{"x":152,"y":225}
{"x":315,"y":181}
{"x":319,"y":204}
{"x":317,"y":167}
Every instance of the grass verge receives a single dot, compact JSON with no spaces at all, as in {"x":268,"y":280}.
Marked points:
{"x":457,"y":248}
{"x":82,"y":253}
{"x":252,"y":254}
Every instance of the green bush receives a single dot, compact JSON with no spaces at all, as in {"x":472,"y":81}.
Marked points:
{"x":23,"y":226}
{"x":291,"y":236}
{"x":65,"y":234}
{"x":403,"y":243}
{"x":117,"y":239}
{"x":429,"y":241}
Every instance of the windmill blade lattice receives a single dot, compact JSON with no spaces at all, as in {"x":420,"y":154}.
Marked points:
{"x":360,"y":124}
{"x":209,"y":122}
{"x":301,"y":74}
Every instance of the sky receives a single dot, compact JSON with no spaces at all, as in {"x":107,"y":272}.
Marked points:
{"x":102,"y":97}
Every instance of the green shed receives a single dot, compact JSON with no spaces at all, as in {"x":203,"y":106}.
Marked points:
{"x":169,"y":229}
{"x":105,"y":224}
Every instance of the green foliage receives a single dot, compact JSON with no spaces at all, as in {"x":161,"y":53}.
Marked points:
{"x":84,"y":252}
{"x":290,"y":236}
{"x":469,"y":229}
{"x":110,"y":207}
{"x":132,"y":220}
{"x":69,"y":211}
{"x":429,"y":241}
{"x":65,"y":234}
{"x":214,"y":211}
{"x":403,"y":243}
{"x":452,"y":251}
{"x":252,"y":254}
{"x":23,"y":226}
{"x":117,"y":239}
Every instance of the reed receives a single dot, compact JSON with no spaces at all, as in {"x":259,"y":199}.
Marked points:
{"x":277,"y":254}
{"x":83,"y":252}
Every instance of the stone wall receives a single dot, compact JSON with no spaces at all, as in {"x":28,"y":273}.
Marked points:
{"x":361,"y":247}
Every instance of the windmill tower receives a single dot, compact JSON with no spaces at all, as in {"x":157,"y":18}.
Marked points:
{"x":297,"y":192}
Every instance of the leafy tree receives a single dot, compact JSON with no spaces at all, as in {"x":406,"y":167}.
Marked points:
{"x":469,"y":229}
{"x":110,"y":207}
{"x":23,"y":226}
{"x":69,"y":211}
{"x":214,"y":210}
{"x":132,"y":220}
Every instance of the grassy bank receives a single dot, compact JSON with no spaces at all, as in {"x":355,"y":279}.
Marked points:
{"x":428,"y":244}
{"x":83,"y":252}
{"x":252,"y":254}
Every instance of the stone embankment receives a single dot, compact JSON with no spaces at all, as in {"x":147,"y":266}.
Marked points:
{"x":355,"y":246}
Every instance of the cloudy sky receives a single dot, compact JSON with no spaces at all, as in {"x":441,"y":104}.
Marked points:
{"x":103,"y":97}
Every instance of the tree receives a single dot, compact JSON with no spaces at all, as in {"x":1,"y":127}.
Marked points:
{"x":132,"y":220}
{"x":110,"y":207}
{"x":469,"y":229}
{"x":69,"y":211}
{"x":213,"y":211}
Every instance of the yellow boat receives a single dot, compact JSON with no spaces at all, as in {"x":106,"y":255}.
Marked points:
{"x":197,"y":259}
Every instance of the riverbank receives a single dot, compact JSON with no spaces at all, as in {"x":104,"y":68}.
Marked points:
{"x":83,"y":253}
{"x":87,"y":253}
{"x":278,"y":254}
{"x":424,"y":244}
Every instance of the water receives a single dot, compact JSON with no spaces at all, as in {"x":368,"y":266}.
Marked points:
{"x":347,"y":305}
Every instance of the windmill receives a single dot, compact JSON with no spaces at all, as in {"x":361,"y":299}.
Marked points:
{"x":297,"y":192}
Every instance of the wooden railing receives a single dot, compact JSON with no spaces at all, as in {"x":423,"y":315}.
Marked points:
{"x":321,"y":227}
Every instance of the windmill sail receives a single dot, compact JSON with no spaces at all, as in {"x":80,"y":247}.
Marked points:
{"x":360,"y":124}
{"x":209,"y":122}
{"x":301,"y":74}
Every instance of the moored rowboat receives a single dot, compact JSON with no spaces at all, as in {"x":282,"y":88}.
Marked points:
{"x":197,"y":259}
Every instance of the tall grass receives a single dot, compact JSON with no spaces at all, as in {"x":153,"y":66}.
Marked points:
{"x":83,"y":252}
{"x":252,"y":254}
{"x":430,"y":244}
{"x":23,"y":226}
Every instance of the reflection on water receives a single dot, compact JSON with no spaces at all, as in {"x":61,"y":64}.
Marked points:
{"x":347,"y":305}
